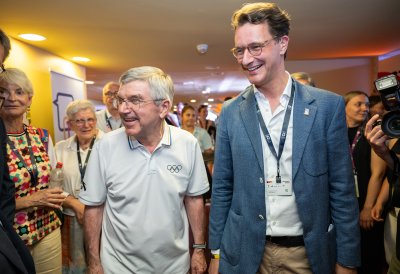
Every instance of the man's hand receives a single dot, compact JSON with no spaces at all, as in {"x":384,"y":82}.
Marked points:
{"x":366,"y":220}
{"x":376,"y":212}
{"x":214,"y":265}
{"x":376,"y":137}
{"x":345,"y":270}
{"x":198,"y":265}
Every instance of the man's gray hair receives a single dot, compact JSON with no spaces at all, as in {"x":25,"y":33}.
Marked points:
{"x":160,"y":83}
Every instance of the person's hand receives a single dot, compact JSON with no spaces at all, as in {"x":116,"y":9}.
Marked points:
{"x":79,"y":209}
{"x":94,"y":268}
{"x":345,"y":270}
{"x":366,"y":220}
{"x":50,"y":197}
{"x":376,"y":137}
{"x":198,"y":264}
{"x":214,"y":265}
{"x":376,"y":212}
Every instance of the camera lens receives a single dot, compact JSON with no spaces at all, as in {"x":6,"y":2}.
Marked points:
{"x":391,"y":124}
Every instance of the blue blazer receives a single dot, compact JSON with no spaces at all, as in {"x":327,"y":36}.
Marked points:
{"x":322,"y":182}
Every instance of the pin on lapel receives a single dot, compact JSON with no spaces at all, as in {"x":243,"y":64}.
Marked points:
{"x":306,"y":111}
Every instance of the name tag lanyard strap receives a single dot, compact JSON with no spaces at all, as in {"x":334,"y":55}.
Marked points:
{"x":108,"y":121}
{"x":82,"y":168}
{"x":32,"y":171}
{"x":283,"y":132}
{"x":352,"y":148}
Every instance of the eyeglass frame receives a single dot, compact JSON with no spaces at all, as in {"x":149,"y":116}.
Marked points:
{"x":2,"y":100}
{"x":111,"y":94}
{"x":134,"y":102}
{"x":250,"y":48}
{"x":81,"y":122}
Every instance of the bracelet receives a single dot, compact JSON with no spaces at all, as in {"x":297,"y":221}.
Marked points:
{"x":215,"y":256}
{"x":199,"y":246}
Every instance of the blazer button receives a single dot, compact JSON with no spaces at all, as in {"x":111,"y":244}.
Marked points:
{"x":261,"y":217}
{"x":261,"y":180}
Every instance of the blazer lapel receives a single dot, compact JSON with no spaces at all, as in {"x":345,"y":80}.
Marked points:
{"x":250,"y":122}
{"x":304,"y":114}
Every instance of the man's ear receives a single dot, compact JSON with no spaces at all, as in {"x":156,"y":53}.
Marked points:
{"x":165,"y":106}
{"x":283,"y":43}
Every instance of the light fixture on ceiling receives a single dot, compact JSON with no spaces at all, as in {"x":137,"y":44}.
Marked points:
{"x":89,"y":82}
{"x":80,"y":59}
{"x":202,"y":48}
{"x":206,"y":90}
{"x":32,"y":37}
{"x":193,"y":101}
{"x":210,"y":99}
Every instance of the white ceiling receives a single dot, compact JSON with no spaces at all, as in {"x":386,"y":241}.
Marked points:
{"x":120,"y":34}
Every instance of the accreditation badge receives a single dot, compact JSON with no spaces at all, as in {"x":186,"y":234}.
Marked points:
{"x":276,"y":188}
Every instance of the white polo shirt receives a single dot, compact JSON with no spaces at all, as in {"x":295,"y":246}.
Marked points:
{"x":145,"y":226}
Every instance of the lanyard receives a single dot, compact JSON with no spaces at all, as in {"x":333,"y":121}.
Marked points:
{"x":283,"y":132}
{"x":353,"y":146}
{"x":82,"y":169}
{"x":108,"y":121}
{"x":32,"y":171}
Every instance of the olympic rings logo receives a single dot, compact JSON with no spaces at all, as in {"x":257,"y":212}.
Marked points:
{"x":174,"y":168}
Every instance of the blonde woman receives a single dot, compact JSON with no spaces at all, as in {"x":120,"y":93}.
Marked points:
{"x":29,"y":164}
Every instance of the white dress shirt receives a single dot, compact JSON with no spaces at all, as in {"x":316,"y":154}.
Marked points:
{"x":281,"y":211}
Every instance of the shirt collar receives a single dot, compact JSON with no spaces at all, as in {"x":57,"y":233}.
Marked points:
{"x":284,"y":99}
{"x":165,"y":140}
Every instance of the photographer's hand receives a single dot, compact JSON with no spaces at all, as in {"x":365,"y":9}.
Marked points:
{"x":377,"y":139}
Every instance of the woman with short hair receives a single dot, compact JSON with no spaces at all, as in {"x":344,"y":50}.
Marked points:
{"x":28,"y":157}
{"x":74,"y":153}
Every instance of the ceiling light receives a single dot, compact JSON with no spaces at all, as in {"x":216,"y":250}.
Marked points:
{"x":212,"y":67}
{"x":32,"y":37}
{"x":210,"y":100}
{"x":206,"y":104}
{"x":193,"y":101}
{"x":89,"y":82}
{"x":80,"y":59}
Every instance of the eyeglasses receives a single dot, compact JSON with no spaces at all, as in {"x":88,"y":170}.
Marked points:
{"x":2,"y":99}
{"x":2,"y":69}
{"x":81,"y":122}
{"x":111,"y":94}
{"x":134,"y":102}
{"x":254,"y":49}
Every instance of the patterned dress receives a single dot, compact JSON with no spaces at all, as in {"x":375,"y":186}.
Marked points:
{"x":34,"y":223}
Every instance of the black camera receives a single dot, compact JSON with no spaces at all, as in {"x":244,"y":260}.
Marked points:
{"x":389,"y":89}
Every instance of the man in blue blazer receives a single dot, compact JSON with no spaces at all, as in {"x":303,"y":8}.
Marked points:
{"x":283,"y":196}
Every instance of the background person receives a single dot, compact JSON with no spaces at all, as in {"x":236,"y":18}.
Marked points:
{"x":265,"y":214}
{"x":378,"y":139}
{"x":29,"y":164}
{"x":74,"y":153}
{"x":14,"y":255}
{"x":376,"y":105}
{"x":142,"y":196}
{"x":204,"y":139}
{"x":108,"y":119}
{"x":303,"y":78}
{"x":203,"y":122}
{"x":369,"y":171}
